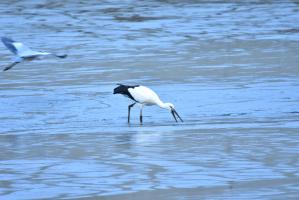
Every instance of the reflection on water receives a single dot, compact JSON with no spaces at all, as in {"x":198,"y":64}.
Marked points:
{"x":231,"y":69}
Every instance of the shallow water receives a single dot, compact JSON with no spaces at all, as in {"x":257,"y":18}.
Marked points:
{"x":231,"y":69}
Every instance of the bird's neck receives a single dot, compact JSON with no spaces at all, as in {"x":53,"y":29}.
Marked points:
{"x":161,"y":104}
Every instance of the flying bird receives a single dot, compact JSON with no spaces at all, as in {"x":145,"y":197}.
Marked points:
{"x":23,"y":52}
{"x":145,"y":97}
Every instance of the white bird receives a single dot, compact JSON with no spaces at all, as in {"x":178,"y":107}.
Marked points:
{"x":23,"y":52}
{"x":145,"y":97}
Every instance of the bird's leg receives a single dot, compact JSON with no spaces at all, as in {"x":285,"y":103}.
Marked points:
{"x":60,"y":55}
{"x":10,"y":66}
{"x":140,"y":118}
{"x":129,"y":110}
{"x":15,"y":61}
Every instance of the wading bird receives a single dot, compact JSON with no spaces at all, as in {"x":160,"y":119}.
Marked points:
{"x":23,"y":52}
{"x":145,"y":97}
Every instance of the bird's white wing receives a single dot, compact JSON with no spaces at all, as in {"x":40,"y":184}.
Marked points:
{"x":23,"y":50}
{"x":144,"y":95}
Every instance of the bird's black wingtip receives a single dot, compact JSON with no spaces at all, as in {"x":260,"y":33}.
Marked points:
{"x":120,"y":89}
{"x":116,"y":90}
{"x":6,"y":39}
{"x":124,"y":90}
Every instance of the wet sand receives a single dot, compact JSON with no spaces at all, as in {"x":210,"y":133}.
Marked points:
{"x":231,"y":69}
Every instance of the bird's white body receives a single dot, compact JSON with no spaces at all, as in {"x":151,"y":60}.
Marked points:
{"x":145,"y":97}
{"x":25,"y":52}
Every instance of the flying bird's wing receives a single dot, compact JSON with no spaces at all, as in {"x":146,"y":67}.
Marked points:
{"x":9,"y":44}
{"x":23,"y":50}
{"x":18,"y":48}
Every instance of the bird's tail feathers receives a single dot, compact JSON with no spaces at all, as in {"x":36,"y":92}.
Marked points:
{"x":121,"y":89}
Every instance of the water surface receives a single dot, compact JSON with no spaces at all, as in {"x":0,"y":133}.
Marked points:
{"x":231,"y":69}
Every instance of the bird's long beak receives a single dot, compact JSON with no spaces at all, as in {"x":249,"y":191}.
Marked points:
{"x":174,"y":114}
